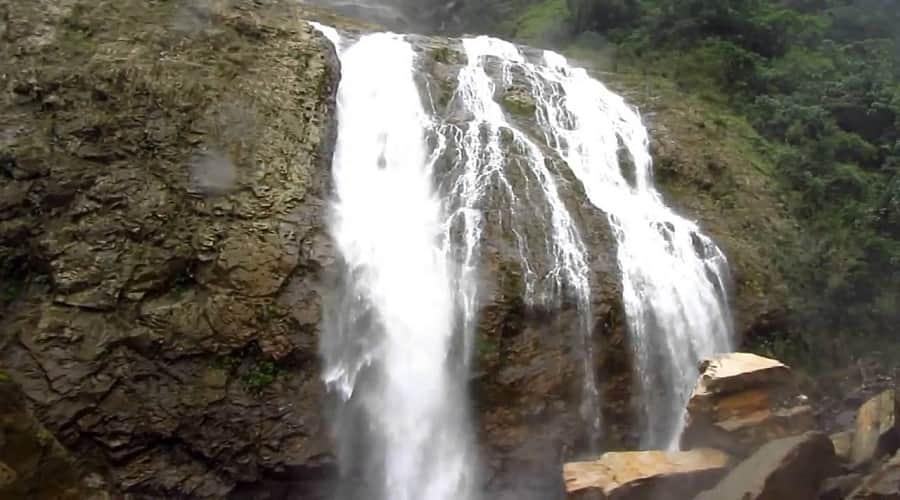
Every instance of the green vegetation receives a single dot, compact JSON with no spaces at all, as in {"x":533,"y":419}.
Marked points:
{"x":486,"y":346}
{"x":545,"y":20}
{"x":9,"y":292}
{"x":260,"y":376}
{"x":254,"y":373}
{"x":229,"y":364}
{"x":820,"y":82}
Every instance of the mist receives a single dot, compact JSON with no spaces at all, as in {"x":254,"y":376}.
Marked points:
{"x":423,"y":16}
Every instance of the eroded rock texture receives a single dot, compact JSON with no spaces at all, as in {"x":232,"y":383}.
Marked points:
{"x":33,"y":464}
{"x":163,"y":171}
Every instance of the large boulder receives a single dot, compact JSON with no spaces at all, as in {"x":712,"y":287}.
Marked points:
{"x":884,"y":484}
{"x":789,"y":468}
{"x":742,"y":401}
{"x":877,"y":428}
{"x":644,"y":474}
{"x":839,"y":487}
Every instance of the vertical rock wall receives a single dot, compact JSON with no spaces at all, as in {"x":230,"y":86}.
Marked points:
{"x":163,"y":171}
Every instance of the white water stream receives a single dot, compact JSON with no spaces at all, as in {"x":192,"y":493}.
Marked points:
{"x":486,"y":158}
{"x":395,"y":336}
{"x":674,"y":277}
{"x":411,"y":290}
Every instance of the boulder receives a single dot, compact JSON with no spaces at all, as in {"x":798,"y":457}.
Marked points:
{"x":641,"y":474}
{"x":837,"y":488}
{"x":739,"y":371}
{"x":742,"y":401}
{"x":790,"y":468}
{"x":877,"y":428}
{"x":843,"y":444}
{"x":884,"y":484}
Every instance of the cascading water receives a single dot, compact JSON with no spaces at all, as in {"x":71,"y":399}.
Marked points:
{"x":400,"y":334}
{"x":388,"y":345}
{"x":485,"y":157}
{"x":674,"y":277}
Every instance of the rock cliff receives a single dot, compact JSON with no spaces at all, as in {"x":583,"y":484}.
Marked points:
{"x":164,"y":167}
{"x":164,"y":180}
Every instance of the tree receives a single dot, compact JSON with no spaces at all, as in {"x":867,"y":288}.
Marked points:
{"x":602,"y":15}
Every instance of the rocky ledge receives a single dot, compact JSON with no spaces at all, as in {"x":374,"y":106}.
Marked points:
{"x":749,"y":406}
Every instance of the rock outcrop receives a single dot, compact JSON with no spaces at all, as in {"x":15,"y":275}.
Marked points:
{"x":742,"y":401}
{"x":645,"y":474}
{"x":884,"y":484}
{"x":792,"y":467}
{"x":164,"y":170}
{"x":877,"y":431}
{"x":839,"y":487}
{"x":843,"y":444}
{"x":33,"y":465}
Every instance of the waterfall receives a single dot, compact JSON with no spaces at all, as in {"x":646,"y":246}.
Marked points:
{"x":388,"y":339}
{"x":674,"y":277}
{"x":422,"y":190}
{"x":484,"y":166}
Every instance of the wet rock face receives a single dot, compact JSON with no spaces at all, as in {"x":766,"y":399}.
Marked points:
{"x":528,"y":376}
{"x":162,"y":225}
{"x":164,"y":222}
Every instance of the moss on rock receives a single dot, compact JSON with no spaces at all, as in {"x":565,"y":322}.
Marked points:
{"x":519,"y":104}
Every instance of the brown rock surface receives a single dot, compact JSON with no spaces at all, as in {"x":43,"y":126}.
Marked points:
{"x":839,"y":487}
{"x":33,"y":464}
{"x":877,"y":430}
{"x":884,"y":484}
{"x":645,"y":474}
{"x":843,"y":444}
{"x":163,"y":228}
{"x":737,"y":372}
{"x":164,"y":173}
{"x":742,"y":401}
{"x":789,"y":468}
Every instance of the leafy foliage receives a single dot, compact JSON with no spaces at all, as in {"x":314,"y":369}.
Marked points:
{"x":602,"y":14}
{"x":260,"y":376}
